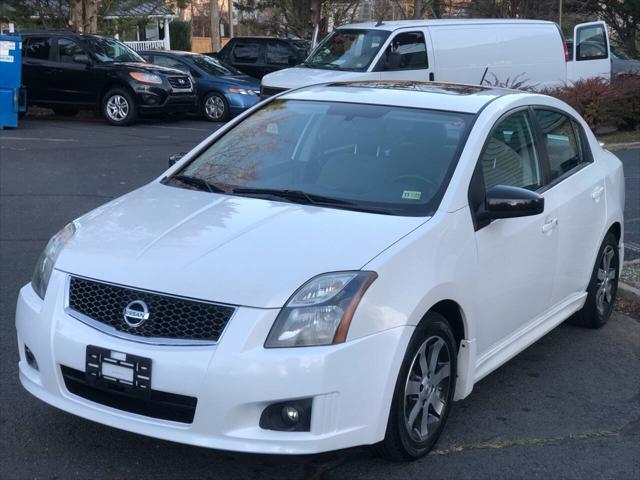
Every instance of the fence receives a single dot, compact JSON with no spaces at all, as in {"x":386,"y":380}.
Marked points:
{"x":147,"y":45}
{"x":203,"y":44}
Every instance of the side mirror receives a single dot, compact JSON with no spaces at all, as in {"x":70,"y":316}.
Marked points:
{"x":175,"y":158}
{"x":393,"y":61}
{"x":510,"y":202}
{"x":82,"y":58}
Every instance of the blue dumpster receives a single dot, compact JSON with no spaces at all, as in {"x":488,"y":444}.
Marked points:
{"x":12,"y":99}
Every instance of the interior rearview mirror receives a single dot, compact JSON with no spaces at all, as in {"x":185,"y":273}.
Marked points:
{"x":503,"y":201}
{"x":175,"y":157}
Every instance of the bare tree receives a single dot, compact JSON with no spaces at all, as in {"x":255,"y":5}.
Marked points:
{"x":214,"y":17}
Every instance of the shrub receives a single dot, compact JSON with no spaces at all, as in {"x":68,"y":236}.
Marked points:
{"x":602,"y":103}
{"x":180,"y":33}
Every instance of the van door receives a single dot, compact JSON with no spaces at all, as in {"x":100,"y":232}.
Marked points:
{"x":590,"y":55}
{"x":408,"y":56}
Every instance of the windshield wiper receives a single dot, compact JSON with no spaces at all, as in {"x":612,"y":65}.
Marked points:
{"x":198,"y":182}
{"x":297,"y":196}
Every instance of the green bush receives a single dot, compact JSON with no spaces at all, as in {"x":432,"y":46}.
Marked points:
{"x":180,"y":33}
{"x":602,"y":103}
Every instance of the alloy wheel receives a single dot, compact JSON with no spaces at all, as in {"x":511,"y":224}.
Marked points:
{"x":214,"y":107}
{"x":606,"y":280}
{"x":427,"y":388}
{"x":117,"y":107}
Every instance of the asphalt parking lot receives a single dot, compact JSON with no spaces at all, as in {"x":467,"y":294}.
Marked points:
{"x":567,"y":407}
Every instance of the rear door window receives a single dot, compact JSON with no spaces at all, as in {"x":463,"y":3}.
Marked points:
{"x":246,"y":52}
{"x":592,"y":43}
{"x":563,"y":142}
{"x":38,"y":48}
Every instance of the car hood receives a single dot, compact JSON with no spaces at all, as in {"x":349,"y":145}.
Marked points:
{"x":243,"y":81}
{"x":302,"y":76}
{"x":147,"y":67}
{"x":229,"y":249}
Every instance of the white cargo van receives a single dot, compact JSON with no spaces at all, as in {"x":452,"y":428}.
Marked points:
{"x":478,"y":51}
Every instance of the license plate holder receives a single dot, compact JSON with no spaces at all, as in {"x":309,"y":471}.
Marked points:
{"x":106,"y":368}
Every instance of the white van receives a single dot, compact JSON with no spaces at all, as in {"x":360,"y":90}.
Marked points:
{"x":532,"y":53}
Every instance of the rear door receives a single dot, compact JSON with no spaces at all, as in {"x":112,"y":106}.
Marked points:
{"x":247,"y":56}
{"x":589,"y":55}
{"x":37,"y":66}
{"x":408,"y":56}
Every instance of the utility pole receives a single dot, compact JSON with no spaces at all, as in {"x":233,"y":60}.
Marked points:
{"x":214,"y":17}
{"x":560,"y":14}
{"x":230,"y":18}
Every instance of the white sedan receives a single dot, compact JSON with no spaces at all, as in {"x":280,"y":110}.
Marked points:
{"x":334,"y":268}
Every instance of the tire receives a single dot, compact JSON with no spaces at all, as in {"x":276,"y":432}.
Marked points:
{"x":65,"y":111}
{"x":215,"y":107}
{"x":413,"y":389}
{"x":603,"y":286}
{"x":119,"y":108}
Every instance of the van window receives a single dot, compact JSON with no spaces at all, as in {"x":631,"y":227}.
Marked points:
{"x":67,"y":49}
{"x":38,"y":48}
{"x":245,"y":52}
{"x":592,"y":43}
{"x":407,"y":51}
{"x":562,"y":141}
{"x":510,"y":157}
{"x":278,"y":53}
{"x":351,"y":49}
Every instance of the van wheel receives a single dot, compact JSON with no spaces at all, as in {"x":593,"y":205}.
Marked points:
{"x":603,"y":286}
{"x":215,"y":108}
{"x":65,"y":111}
{"x":424,"y":391}
{"x":119,"y":108}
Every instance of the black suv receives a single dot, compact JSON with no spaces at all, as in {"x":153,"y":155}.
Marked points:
{"x":69,"y":71}
{"x":257,"y":56}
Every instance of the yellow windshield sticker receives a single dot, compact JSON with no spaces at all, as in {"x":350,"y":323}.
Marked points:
{"x":411,"y":195}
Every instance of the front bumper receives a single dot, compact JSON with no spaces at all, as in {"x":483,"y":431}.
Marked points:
{"x":154,"y":100}
{"x":239,"y":103}
{"x":350,"y":384}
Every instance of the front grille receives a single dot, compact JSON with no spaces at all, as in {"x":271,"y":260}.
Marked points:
{"x":181,"y":82}
{"x":170,"y":318}
{"x":152,"y":403}
{"x":266,"y":92}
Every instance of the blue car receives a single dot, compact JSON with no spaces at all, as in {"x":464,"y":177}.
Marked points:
{"x":223,"y":91}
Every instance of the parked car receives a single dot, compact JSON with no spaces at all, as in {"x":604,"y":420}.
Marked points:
{"x":69,"y":71}
{"x":621,"y":63}
{"x":258,"y":56}
{"x":222,"y":90}
{"x":474,"y":51}
{"x":333,"y":269}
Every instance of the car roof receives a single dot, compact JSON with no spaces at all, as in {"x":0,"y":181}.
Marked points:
{"x":180,"y":53}
{"x":452,"y":97}
{"x":397,"y":24}
{"x":59,"y":33}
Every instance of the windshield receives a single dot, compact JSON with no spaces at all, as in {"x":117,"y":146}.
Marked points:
{"x":348,"y":50}
{"x":365,"y":157}
{"x":214,"y":66}
{"x":110,"y":50}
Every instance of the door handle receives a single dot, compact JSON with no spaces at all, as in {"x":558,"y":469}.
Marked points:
{"x":549,"y":224}
{"x":597,"y":193}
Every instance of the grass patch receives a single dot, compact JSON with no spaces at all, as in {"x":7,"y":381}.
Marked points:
{"x":620,"y":137}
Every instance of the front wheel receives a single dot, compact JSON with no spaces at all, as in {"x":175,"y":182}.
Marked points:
{"x":603,"y":286}
{"x":424,"y":391}
{"x":119,"y":108}
{"x":215,"y":108}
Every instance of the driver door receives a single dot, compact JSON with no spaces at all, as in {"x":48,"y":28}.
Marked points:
{"x":590,"y":55}
{"x":408,"y":56}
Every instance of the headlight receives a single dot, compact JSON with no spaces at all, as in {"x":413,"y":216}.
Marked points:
{"x":48,"y":258}
{"x":320,"y":312}
{"x":146,"y":77}
{"x":241,"y":91}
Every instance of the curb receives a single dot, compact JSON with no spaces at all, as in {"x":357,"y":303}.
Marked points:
{"x":621,"y":146}
{"x":628,"y":292}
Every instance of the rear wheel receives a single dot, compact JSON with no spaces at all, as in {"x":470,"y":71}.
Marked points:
{"x":603,"y":286}
{"x":119,"y":108}
{"x":424,"y":391}
{"x":215,"y":108}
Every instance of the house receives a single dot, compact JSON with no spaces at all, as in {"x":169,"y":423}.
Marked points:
{"x":144,"y":26}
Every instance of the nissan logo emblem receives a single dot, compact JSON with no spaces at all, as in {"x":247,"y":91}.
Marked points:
{"x":136,"y":313}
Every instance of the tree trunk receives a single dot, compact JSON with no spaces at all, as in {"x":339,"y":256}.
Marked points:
{"x":418,"y":8}
{"x":76,"y":15}
{"x":316,"y":10}
{"x":214,"y":16}
{"x":91,"y":16}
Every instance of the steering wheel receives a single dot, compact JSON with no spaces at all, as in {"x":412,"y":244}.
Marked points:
{"x":428,"y":183}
